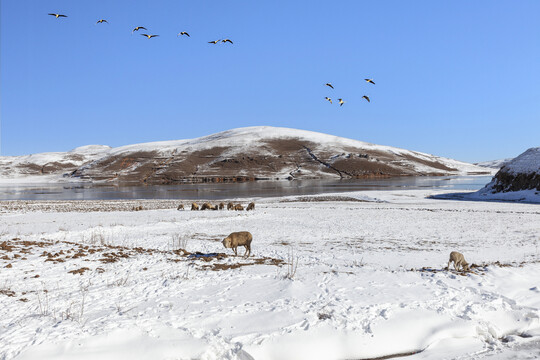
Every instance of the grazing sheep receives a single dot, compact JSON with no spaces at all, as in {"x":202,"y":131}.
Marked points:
{"x":180,"y":207}
{"x":206,"y":206}
{"x":459,"y":261}
{"x":238,"y":207}
{"x":214,"y":207}
{"x":137,"y":208}
{"x":251,"y":206}
{"x":230,"y":206}
{"x":221,"y":206}
{"x":241,"y":238}
{"x":194,"y":206}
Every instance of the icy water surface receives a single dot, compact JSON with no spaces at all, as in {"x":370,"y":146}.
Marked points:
{"x":217,"y":191}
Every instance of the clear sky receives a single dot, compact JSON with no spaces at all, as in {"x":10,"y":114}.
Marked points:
{"x":459,"y":79}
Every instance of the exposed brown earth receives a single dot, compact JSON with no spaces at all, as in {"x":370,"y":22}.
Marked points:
{"x":107,"y":254}
{"x":506,"y":181}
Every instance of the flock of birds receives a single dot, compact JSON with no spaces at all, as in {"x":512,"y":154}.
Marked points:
{"x":341,"y":101}
{"x":148,"y":36}
{"x":184,"y":33}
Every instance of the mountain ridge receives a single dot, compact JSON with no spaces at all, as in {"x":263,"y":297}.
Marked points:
{"x":242,"y":154}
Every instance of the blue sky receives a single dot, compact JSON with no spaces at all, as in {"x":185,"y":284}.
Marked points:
{"x":459,"y":79}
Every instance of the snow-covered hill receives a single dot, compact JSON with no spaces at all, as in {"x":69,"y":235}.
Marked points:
{"x":242,"y":154}
{"x":494,"y":164}
{"x":518,"y":180}
{"x":45,"y":167}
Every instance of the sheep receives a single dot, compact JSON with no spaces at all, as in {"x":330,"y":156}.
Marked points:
{"x":194,"y":206}
{"x":206,"y":206}
{"x":459,"y":261}
{"x":214,"y":207}
{"x":251,"y":206}
{"x":180,"y":207}
{"x":241,"y":238}
{"x":238,"y":207}
{"x":221,"y":206}
{"x":230,"y":206}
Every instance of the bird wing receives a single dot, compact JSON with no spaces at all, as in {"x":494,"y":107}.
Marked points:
{"x":51,"y":14}
{"x":187,"y":34}
{"x":153,"y":36}
{"x":60,"y":15}
{"x":144,"y":35}
{"x":228,"y":41}
{"x":330,"y":85}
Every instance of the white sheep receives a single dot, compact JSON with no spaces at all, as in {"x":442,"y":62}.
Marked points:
{"x":459,"y":261}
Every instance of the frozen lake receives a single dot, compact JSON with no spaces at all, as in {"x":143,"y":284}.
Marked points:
{"x":217,"y":191}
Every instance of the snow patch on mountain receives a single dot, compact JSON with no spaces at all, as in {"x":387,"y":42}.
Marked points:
{"x":494,"y":164}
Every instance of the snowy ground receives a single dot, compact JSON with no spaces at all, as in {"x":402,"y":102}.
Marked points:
{"x":100,"y":281}
{"x":486,"y":194}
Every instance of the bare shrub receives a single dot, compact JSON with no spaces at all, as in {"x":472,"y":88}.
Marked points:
{"x":43,"y":301}
{"x":292,"y":264}
{"x":97,"y":237}
{"x":121,"y":281}
{"x":179,"y":242}
{"x":359,"y":263}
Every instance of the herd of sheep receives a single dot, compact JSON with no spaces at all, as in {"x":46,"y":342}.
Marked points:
{"x":220,"y":206}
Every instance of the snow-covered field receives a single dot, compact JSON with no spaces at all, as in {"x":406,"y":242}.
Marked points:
{"x":329,"y":278}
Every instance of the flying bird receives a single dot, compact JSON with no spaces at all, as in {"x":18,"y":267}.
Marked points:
{"x":327,"y":98}
{"x":328,"y":84}
{"x":341,"y":102}
{"x":149,"y":36}
{"x":102,"y":21}
{"x":366,"y":97}
{"x":370,"y":81}
{"x":214,"y":42}
{"x":226,"y":40}
{"x":58,"y":15}
{"x":138,"y":28}
{"x":183,"y":33}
